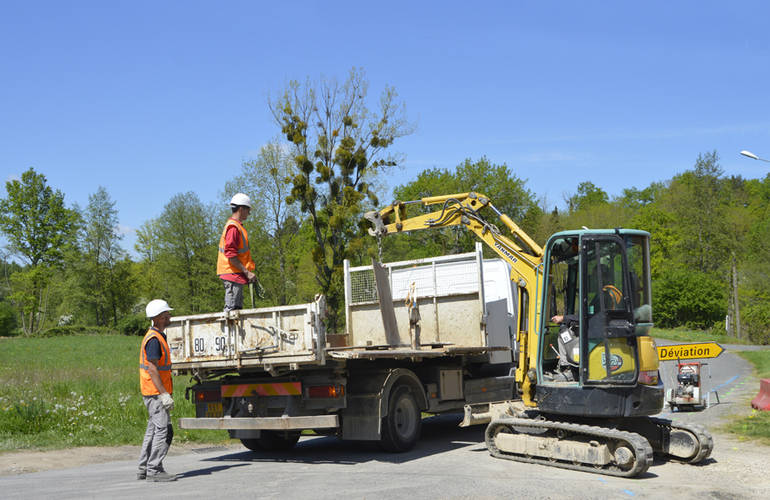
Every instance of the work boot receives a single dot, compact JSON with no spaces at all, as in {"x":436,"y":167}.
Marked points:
{"x":141,"y":475}
{"x":161,"y":477}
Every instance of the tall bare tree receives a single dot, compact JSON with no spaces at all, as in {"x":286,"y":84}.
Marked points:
{"x":337,"y":145}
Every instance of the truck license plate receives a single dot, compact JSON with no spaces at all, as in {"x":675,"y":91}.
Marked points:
{"x":214,"y":410}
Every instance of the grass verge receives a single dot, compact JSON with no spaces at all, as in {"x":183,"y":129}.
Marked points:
{"x":686,"y":335}
{"x":80,"y":390}
{"x":755,"y":426}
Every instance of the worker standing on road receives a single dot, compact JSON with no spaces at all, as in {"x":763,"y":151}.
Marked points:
{"x":234,"y":264}
{"x":157,"y":386}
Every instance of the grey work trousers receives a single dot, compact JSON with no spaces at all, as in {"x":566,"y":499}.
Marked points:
{"x":233,"y":295}
{"x":156,"y":442}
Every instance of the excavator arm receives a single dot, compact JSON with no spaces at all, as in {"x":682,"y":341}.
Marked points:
{"x":521,"y":252}
{"x":459,"y":209}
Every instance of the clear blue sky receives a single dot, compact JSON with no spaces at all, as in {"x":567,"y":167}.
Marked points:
{"x":150,"y":99}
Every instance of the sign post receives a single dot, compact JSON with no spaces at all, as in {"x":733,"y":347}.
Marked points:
{"x":689,"y":351}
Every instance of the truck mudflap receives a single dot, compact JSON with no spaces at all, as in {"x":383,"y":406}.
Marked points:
{"x":283,"y":423}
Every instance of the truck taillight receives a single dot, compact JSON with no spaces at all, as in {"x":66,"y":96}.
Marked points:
{"x":207,"y":396}
{"x":326,"y":391}
{"x":648,"y":377}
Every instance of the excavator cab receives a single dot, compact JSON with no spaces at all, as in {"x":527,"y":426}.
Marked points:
{"x":593,"y":332}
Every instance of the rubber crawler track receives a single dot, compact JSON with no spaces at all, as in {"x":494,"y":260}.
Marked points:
{"x":641,"y":448}
{"x":705,"y":441}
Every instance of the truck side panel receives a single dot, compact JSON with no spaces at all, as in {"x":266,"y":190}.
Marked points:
{"x":266,"y":336}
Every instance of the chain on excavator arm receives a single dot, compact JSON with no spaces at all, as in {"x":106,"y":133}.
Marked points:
{"x":522,"y":253}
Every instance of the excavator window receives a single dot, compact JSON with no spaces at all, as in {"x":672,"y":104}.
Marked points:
{"x":638,"y":254}
{"x":559,"y":359}
{"x":609,"y":347}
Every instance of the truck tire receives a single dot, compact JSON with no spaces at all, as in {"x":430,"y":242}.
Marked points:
{"x":251,"y":443}
{"x":272,"y":441}
{"x":401,"y":426}
{"x":278,"y":440}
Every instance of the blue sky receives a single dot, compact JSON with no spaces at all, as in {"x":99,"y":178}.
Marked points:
{"x":150,"y":99}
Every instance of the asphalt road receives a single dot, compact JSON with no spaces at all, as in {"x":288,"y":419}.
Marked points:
{"x":449,"y":462}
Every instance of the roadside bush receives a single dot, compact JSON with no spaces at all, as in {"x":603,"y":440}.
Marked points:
{"x":755,"y":319}
{"x":133,"y":324}
{"x":688,"y":298}
{"x":63,"y":330}
{"x":8,"y":323}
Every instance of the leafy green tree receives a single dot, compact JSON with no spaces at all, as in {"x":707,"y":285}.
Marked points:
{"x":698,"y":200}
{"x":34,"y":219}
{"x":754,"y":262}
{"x":181,"y":245}
{"x":337,"y":146}
{"x":101,"y":268}
{"x":8,"y":314}
{"x":588,"y":194}
{"x":146,"y":272}
{"x":686,"y":297}
{"x":507,"y":192}
{"x":39,"y":228}
{"x":591,"y":207}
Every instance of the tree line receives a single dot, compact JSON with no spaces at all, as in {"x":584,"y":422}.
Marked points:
{"x":64,"y":269}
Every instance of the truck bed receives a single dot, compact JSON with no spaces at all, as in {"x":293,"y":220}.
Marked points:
{"x":466,"y":307}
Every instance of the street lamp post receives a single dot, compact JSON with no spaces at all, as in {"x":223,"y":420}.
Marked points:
{"x":749,"y":154}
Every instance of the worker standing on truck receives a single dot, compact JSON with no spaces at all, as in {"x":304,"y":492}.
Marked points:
{"x":157,"y":387}
{"x":234,"y":264}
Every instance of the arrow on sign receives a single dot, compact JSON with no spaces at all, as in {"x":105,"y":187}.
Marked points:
{"x":689,"y":351}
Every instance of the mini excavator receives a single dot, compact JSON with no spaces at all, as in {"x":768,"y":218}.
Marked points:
{"x":587,"y":376}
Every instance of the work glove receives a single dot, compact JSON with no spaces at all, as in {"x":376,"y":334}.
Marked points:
{"x":167,"y":401}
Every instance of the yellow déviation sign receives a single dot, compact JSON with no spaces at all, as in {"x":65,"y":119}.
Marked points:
{"x":689,"y":351}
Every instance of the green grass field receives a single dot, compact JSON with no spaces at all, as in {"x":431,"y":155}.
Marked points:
{"x":78,"y":391}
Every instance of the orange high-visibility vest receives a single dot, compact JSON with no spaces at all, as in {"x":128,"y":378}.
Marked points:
{"x":164,"y":366}
{"x":244,"y":254}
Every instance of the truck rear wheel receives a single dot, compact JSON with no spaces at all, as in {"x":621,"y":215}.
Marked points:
{"x":272,"y":441}
{"x":401,"y":427}
{"x":251,"y":443}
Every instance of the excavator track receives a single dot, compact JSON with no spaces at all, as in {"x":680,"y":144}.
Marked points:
{"x":681,"y":441}
{"x":689,"y":443}
{"x":586,"y":448}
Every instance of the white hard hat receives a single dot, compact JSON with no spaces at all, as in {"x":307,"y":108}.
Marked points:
{"x":241,"y":199}
{"x":156,"y":307}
